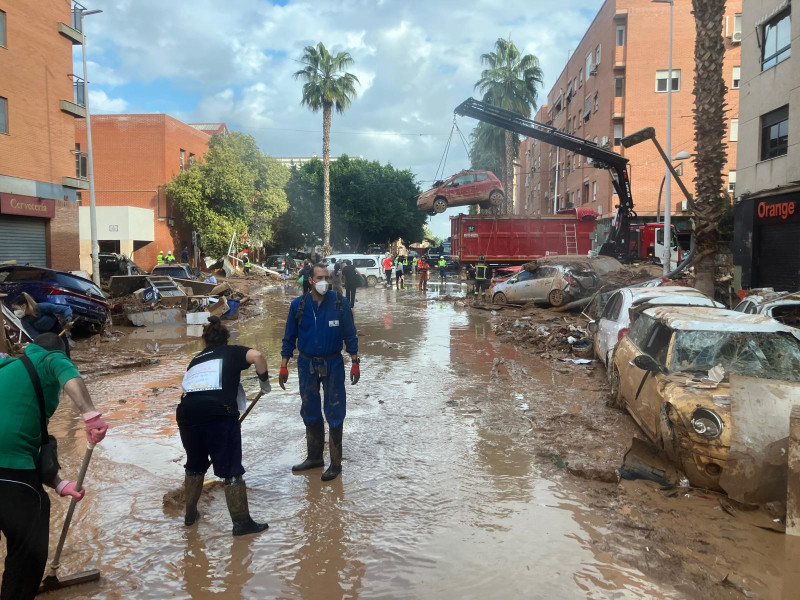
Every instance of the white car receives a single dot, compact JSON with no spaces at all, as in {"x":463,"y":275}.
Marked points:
{"x":781,"y":306}
{"x":367,"y":264}
{"x":614,"y":323}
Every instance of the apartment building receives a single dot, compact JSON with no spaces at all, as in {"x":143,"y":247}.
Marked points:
{"x":615,"y":83}
{"x":767,"y":212}
{"x":41,"y":169}
{"x":135,"y":157}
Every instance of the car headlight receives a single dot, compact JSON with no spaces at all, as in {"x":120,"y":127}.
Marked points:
{"x":707,"y":423}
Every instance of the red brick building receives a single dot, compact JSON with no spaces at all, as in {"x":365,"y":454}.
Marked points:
{"x":40,"y":171}
{"x":615,"y":84}
{"x":135,"y":157}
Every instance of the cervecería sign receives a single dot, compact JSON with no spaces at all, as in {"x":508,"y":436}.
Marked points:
{"x":27,"y":206}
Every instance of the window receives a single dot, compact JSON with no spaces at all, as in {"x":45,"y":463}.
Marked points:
{"x":732,"y":183}
{"x":580,"y":78}
{"x":81,"y":159}
{"x":587,"y":107}
{"x":597,"y":56}
{"x":620,"y":35}
{"x":737,"y":76}
{"x":463,"y":180}
{"x":618,"y":134}
{"x":737,"y":23}
{"x":594,"y":191}
{"x":364,"y":263}
{"x":3,"y":115}
{"x":588,"y":65}
{"x":613,"y":307}
{"x":619,"y":86}
{"x":482,"y":176}
{"x":2,"y":28}
{"x":734,"y":130}
{"x":777,"y":40}
{"x":191,"y":159}
{"x":775,"y":133}
{"x":183,"y":158}
{"x":586,"y":192}
{"x":661,"y":80}
{"x":596,"y":102}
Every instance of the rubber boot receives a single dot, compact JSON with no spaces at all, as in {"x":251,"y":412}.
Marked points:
{"x":315,"y":442}
{"x":192,"y":488}
{"x":236,"y":497}
{"x":335,"y":448}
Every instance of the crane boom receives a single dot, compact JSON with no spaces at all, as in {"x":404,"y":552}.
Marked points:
{"x":617,"y":243}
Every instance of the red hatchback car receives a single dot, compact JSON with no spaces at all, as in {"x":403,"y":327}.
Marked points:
{"x":462,"y":189}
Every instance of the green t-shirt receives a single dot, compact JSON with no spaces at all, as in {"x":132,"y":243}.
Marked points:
{"x":20,"y":431}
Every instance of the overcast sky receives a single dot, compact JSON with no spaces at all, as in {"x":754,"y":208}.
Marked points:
{"x":213,"y":61}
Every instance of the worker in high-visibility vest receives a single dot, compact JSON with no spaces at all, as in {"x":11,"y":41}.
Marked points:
{"x":482,"y":276}
{"x":414,"y":264}
{"x":442,"y":269}
{"x":160,"y":258}
{"x":246,"y":263}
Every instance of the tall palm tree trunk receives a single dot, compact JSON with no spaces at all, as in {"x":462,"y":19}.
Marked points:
{"x":709,"y":125}
{"x":326,"y":177}
{"x":508,"y":183}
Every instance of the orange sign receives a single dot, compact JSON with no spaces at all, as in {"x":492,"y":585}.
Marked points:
{"x":779,"y":209}
{"x":27,"y":206}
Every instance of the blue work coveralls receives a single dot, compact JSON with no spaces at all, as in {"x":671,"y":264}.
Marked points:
{"x":324,"y":329}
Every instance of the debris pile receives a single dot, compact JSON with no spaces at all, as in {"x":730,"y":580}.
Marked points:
{"x":545,"y":333}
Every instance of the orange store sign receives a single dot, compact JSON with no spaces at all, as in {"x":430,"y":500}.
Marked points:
{"x":784,"y":210}
{"x":27,"y":206}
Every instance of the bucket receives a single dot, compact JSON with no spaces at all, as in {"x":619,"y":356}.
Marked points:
{"x":233,"y":309}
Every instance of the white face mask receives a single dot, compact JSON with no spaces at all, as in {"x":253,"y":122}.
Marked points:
{"x":19,"y":313}
{"x":321,"y":287}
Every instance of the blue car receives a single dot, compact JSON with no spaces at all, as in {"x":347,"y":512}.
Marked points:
{"x":88,"y":303}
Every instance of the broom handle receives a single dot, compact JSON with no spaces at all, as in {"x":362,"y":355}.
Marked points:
{"x":78,"y":487}
{"x":252,"y":404}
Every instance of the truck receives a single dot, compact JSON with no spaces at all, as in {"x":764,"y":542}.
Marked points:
{"x":647,"y":243}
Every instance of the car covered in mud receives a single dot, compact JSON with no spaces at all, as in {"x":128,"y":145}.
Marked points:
{"x":463,"y":188}
{"x":781,"y":306}
{"x":553,"y":280}
{"x":672,"y":374}
{"x":613,"y":325}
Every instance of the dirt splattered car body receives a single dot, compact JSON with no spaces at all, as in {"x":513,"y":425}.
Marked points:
{"x":781,"y":306}
{"x":665,"y":374}
{"x":462,"y":189}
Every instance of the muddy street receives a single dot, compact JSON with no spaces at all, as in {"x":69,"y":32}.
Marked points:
{"x":472,"y":469}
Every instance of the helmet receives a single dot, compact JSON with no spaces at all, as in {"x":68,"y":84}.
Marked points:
{"x":244,"y":253}
{"x":482,"y":258}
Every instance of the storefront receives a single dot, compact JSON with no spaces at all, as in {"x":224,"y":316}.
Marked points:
{"x":766,"y":249}
{"x":24,"y":224}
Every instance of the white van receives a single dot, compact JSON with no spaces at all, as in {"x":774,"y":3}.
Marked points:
{"x":367,"y":264}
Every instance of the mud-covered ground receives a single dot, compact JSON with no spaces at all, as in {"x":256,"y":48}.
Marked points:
{"x":476,"y":465}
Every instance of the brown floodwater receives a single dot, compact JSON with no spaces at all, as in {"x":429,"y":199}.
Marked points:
{"x":439,"y":497}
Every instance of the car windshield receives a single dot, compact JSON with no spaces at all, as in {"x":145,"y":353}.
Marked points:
{"x":788,"y":314}
{"x":79,"y":285}
{"x":171,"y":271}
{"x":769,"y":355}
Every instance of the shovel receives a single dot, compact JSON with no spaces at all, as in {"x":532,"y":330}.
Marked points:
{"x":52,"y":581}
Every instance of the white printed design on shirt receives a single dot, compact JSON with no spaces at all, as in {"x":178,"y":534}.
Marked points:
{"x":333,"y":323}
{"x":203,"y":377}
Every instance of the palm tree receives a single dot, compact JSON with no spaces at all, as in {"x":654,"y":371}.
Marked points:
{"x":326,"y":85}
{"x":510,"y":81}
{"x":709,"y":130}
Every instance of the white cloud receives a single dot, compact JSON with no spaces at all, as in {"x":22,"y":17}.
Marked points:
{"x":99,"y":102}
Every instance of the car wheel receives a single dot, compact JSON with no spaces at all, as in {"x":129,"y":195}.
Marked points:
{"x":615,"y":394}
{"x":372,"y":280}
{"x":496,"y":198}
{"x":499,"y":298}
{"x":440,"y":205}
{"x":556,"y":297}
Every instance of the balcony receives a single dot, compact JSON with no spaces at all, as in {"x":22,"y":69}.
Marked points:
{"x":77,"y":107}
{"x":71,"y":33}
{"x":81,"y":179}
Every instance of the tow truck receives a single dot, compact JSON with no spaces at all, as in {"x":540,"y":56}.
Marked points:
{"x":618,"y":243}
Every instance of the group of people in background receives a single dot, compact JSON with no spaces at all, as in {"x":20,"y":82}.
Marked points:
{"x":402,"y":265}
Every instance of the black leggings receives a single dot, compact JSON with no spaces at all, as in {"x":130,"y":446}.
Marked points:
{"x":350,"y":292}
{"x":25,"y":522}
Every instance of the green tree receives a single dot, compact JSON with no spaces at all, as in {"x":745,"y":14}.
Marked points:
{"x":326,"y":85}
{"x":235,"y":188}
{"x":510,"y":81}
{"x":487,"y":148}
{"x":709,"y":130}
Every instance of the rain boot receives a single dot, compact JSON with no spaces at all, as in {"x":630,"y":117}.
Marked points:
{"x":192,"y":488}
{"x":236,"y":497}
{"x":335,"y":448}
{"x":315,"y":442}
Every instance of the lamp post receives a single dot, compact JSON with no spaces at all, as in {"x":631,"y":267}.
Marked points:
{"x":668,"y":149}
{"x":682,"y":155}
{"x":90,"y":159}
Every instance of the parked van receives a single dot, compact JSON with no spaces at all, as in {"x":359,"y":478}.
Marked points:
{"x":367,"y":264}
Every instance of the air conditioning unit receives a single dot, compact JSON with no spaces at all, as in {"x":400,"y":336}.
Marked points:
{"x":736,"y":38}
{"x":682,"y":206}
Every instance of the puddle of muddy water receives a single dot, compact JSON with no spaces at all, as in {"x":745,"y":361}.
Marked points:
{"x":438,"y":496}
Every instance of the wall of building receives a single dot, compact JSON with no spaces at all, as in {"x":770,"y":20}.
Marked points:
{"x":63,"y":243}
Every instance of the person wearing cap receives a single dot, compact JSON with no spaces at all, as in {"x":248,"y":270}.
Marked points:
{"x":170,"y":258}
{"x":246,"y":263}
{"x":24,"y":505}
{"x":160,"y":258}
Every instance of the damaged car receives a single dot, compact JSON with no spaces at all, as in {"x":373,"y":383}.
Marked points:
{"x":553,"y":280}
{"x":462,"y":189}
{"x":781,"y":306}
{"x":672,"y":374}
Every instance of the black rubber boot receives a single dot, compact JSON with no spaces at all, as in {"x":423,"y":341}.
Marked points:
{"x":236,"y":497}
{"x":315,"y":442}
{"x":192,"y":488}
{"x":335,"y":448}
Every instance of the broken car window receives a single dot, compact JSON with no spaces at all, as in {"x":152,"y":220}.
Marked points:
{"x":524,"y":276}
{"x":773,"y":355}
{"x":613,"y":307}
{"x":657,"y":342}
{"x":788,"y":314}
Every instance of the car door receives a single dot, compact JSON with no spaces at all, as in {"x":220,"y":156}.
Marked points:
{"x":459,"y":190}
{"x":609,"y":326}
{"x":542,"y":283}
{"x":482,"y":188}
{"x":518,"y":288}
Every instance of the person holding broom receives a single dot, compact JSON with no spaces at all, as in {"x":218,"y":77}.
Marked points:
{"x":208,"y":421}
{"x":24,"y":505}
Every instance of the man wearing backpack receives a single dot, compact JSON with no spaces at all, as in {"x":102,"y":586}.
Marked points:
{"x":24,"y":505}
{"x":319,"y":324}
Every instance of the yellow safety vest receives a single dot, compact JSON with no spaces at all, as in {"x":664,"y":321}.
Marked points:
{"x":480,"y":271}
{"x":160,"y":259}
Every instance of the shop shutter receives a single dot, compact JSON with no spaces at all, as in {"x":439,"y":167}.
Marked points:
{"x":779,"y":256}
{"x":23,"y":239}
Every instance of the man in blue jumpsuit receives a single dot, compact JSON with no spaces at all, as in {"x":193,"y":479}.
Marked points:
{"x":319,"y":323}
